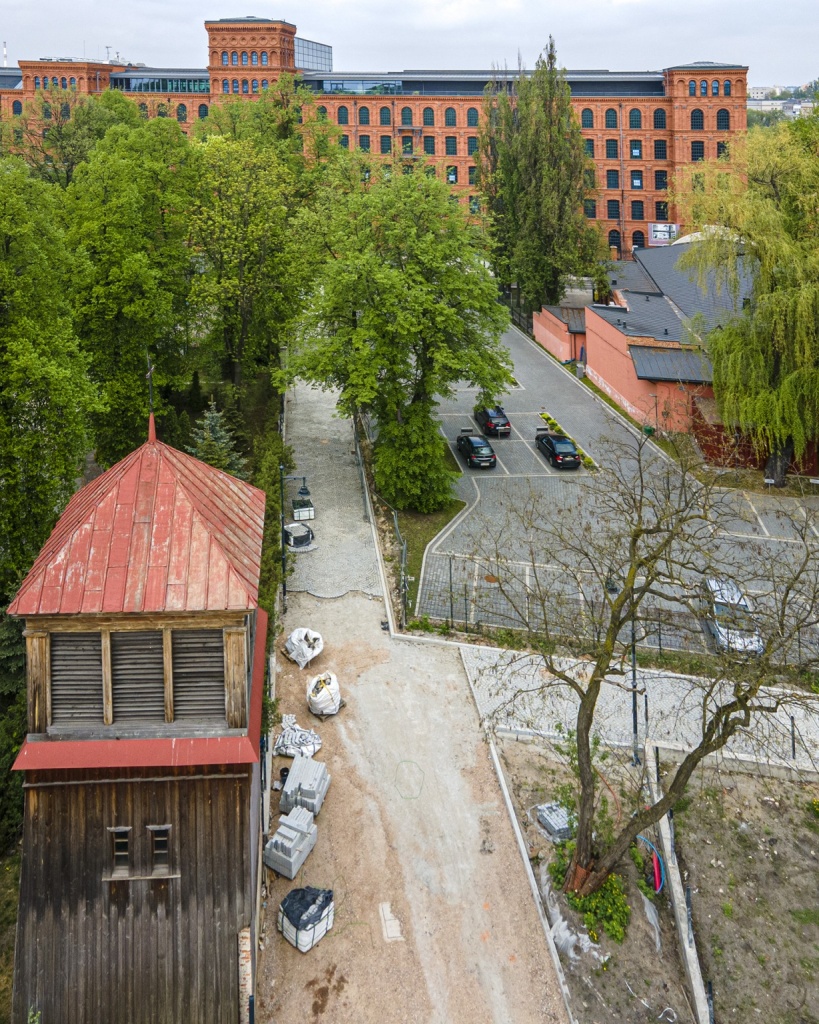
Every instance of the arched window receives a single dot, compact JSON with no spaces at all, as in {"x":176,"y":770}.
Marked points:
{"x":697,"y":121}
{"x":472,"y":117}
{"x":72,"y":83}
{"x":36,"y":81}
{"x":715,"y":88}
{"x":343,"y":115}
{"x":254,"y":58}
{"x":235,"y":85}
{"x":692,"y":88}
{"x":614,"y":240}
{"x":703,"y":88}
{"x":659,"y":118}
{"x":17,"y":108}
{"x":203,"y":111}
{"x":244,"y":58}
{"x":65,"y":111}
{"x":264,"y":59}
{"x":611,"y":118}
{"x":161,"y":110}
{"x":225,"y":85}
{"x":429,"y":117}
{"x":181,"y":113}
{"x":63,"y":83}
{"x":449,"y":117}
{"x":723,"y":120}
{"x":265,"y":84}
{"x":143,"y":110}
{"x":322,"y":113}
{"x":697,"y":151}
{"x":234,"y":58}
{"x":224,"y":57}
{"x":726,"y":88}
{"x":254,"y":85}
{"x":635,"y":118}
{"x":46,"y":111}
{"x":54,"y":83}
{"x":384,"y":116}
{"x":245,"y":86}
{"x":406,"y":116}
{"x":638,"y":240}
{"x":363,"y":115}
{"x":587,"y":118}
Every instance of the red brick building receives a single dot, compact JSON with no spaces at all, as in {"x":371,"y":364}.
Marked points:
{"x":639,"y":127}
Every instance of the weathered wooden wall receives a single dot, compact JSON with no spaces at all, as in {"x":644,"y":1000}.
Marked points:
{"x":141,"y":950}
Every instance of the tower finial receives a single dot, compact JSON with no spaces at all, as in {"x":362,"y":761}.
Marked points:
{"x":149,"y":376}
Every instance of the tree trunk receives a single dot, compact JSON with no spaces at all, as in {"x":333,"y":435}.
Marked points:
{"x":777,"y":464}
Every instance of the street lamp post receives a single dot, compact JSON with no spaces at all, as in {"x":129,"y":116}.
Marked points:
{"x":304,"y":493}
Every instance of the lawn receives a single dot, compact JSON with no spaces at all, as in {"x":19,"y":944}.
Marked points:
{"x":418,"y":530}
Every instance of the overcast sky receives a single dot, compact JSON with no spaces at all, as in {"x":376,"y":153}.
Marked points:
{"x":779,"y":41}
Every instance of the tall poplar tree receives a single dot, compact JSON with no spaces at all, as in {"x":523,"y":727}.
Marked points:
{"x":534,"y":175}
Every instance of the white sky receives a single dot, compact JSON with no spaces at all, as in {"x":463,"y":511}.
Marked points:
{"x":779,"y":42}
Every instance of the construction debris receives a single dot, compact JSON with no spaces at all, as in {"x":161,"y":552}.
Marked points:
{"x":306,"y":785}
{"x":293,"y":840}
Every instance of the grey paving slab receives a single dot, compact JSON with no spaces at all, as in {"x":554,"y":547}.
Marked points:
{"x":344,"y":558}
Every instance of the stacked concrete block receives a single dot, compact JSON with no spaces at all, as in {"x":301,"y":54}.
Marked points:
{"x":306,"y":785}
{"x":293,"y":840}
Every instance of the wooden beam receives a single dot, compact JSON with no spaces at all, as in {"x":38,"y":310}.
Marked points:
{"x":107,"y":686}
{"x":87,"y":623}
{"x":37,"y":679}
{"x":235,"y":678}
{"x":167,"y":652}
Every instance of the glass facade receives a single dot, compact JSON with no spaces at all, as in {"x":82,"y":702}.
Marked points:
{"x":312,"y":56}
{"x":149,"y":83}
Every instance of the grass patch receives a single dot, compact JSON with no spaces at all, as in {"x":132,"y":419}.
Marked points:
{"x":809,"y":915}
{"x":9,"y":891}
{"x":418,"y":530}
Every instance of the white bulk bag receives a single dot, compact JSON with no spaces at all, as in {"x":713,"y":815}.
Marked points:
{"x":323,"y":694}
{"x":303,"y":645}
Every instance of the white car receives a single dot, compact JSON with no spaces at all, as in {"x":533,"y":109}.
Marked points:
{"x":727,"y":613}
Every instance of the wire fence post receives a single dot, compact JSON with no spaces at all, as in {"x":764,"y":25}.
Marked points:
{"x":451,"y":598}
{"x":466,"y":609}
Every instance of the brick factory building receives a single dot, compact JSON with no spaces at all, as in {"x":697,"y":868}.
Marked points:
{"x":640,"y":127}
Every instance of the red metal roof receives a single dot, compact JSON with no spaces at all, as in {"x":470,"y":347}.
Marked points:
{"x":54,"y":754}
{"x":158,"y":532}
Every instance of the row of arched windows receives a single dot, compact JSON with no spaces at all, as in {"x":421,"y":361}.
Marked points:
{"x":723,"y":120}
{"x":181,"y":111}
{"x":635,"y":118}
{"x":55,"y":83}
{"x":638,"y":240}
{"x":244,"y":86}
{"x":244,"y":58}
{"x":703,"y":88}
{"x":407,"y":116}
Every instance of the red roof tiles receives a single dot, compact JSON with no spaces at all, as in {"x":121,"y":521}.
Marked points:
{"x":158,"y":532}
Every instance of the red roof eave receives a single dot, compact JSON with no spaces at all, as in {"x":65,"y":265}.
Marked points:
{"x":183,"y":752}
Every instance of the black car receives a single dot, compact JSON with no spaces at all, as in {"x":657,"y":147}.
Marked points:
{"x":477,"y":451}
{"x":493,"y":421}
{"x":558,"y":449}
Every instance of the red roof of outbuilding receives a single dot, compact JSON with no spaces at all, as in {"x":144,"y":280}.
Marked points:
{"x":158,"y":532}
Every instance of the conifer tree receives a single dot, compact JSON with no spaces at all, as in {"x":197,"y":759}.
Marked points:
{"x":213,"y":442}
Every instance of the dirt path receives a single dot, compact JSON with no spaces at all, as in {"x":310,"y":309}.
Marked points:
{"x":413,"y":827}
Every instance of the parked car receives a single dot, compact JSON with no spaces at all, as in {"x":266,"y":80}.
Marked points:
{"x":558,"y":449}
{"x":729,"y":617}
{"x":477,"y":451}
{"x":493,"y":422}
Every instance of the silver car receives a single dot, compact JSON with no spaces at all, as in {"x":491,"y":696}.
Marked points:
{"x":728,"y":615}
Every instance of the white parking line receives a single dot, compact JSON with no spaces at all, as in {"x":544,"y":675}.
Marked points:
{"x":758,"y":517}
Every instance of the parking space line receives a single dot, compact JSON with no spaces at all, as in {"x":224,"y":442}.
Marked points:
{"x":810,"y":525}
{"x":758,"y":517}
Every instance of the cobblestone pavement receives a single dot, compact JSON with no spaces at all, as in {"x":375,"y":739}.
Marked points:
{"x":324,"y":453}
{"x":669,"y":709}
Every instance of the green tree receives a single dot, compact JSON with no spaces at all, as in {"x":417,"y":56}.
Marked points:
{"x":128,"y":212}
{"x":58,"y":129}
{"x":45,"y":394}
{"x":764,"y":118}
{"x":401,"y":309}
{"x":213,"y":442}
{"x":534,"y":174}
{"x":762,"y":232}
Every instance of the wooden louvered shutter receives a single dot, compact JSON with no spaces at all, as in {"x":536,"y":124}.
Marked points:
{"x":198,"y":675}
{"x":76,"y":678}
{"x":137,"y":677}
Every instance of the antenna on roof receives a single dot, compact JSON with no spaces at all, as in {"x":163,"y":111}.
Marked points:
{"x":149,"y":376}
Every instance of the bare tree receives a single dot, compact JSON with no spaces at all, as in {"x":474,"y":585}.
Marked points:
{"x":588,"y":578}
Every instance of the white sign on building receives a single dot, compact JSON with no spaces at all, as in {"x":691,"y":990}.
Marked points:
{"x":662,"y":234}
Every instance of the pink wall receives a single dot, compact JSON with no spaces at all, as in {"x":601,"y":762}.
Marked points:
{"x":610,"y":367}
{"x":554,"y":336}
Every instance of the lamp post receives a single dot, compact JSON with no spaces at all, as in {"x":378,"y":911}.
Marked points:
{"x":656,"y":412}
{"x":304,"y":493}
{"x":613,"y":589}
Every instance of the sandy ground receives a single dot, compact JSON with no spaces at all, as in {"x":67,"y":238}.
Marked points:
{"x":414,"y":828}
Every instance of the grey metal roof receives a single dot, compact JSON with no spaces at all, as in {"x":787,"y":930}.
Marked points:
{"x":707,"y":65}
{"x":647,"y":316}
{"x":138,"y":71}
{"x":572,"y":316}
{"x":628,"y":275}
{"x":661,"y":265}
{"x":689,"y":366}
